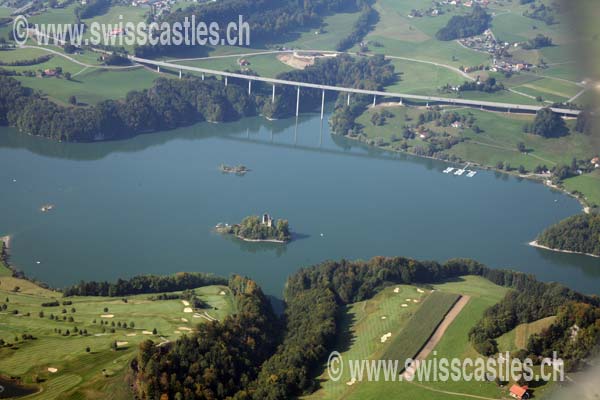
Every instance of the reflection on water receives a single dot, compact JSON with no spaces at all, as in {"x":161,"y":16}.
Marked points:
{"x":148,"y":205}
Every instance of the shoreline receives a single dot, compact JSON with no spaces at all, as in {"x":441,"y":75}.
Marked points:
{"x":6,"y":240}
{"x":262,"y":240}
{"x":585,"y":207}
{"x":534,"y":243}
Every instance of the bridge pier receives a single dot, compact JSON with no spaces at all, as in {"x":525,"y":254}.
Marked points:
{"x":273,"y":98}
{"x":203,"y":76}
{"x":322,"y":104}
{"x":225,"y":81}
{"x":348,"y":101}
{"x":400,"y":102}
{"x":298,"y":101}
{"x":179,"y":74}
{"x":158,"y":69}
{"x":374,"y":100}
{"x":249,"y":87}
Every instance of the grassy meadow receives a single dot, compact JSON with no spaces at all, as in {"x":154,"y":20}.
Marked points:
{"x":364,"y":324}
{"x":101,"y":370}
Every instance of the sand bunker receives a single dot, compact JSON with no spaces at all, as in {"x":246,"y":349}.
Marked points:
{"x":106,"y":316}
{"x":385,"y":337}
{"x":404,"y":305}
{"x":119,"y":344}
{"x":384,"y":317}
{"x":188,"y":310}
{"x":146,"y":333}
{"x":184,"y":320}
{"x":184,"y":328}
{"x":397,"y":290}
{"x":415,"y":301}
{"x":222,"y":293}
{"x":351,"y":382}
{"x":131,"y":334}
{"x":420,"y":290}
{"x":52,"y":370}
{"x":185,"y":302}
{"x":408,"y":299}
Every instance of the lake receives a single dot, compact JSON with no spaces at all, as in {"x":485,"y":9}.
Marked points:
{"x":148,"y":205}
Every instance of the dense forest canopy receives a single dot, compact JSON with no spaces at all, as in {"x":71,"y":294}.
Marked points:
{"x":145,"y":284}
{"x":580,"y":233}
{"x":460,"y":26}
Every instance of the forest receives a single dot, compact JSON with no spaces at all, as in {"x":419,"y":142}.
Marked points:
{"x":461,"y":26}
{"x":285,"y":366}
{"x":217,"y":361}
{"x":579,"y":233}
{"x":144,"y":284}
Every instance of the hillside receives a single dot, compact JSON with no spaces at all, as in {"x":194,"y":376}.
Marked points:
{"x":579,"y":233}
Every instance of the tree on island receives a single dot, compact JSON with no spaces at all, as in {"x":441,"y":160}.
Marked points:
{"x":256,"y":228}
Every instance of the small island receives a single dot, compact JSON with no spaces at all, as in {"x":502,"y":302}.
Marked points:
{"x":258,"y":229}
{"x":238,"y":170}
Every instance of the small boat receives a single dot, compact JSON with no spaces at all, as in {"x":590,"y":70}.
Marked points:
{"x":448,"y":170}
{"x":46,"y":207}
{"x":459,"y":172}
{"x":471,"y":174}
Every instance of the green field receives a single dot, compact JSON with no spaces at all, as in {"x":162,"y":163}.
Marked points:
{"x":366,"y":326}
{"x":265,"y":65}
{"x":93,"y":85}
{"x":517,"y":338}
{"x":93,"y":374}
{"x":588,"y":184}
{"x":498,"y":141}
{"x":421,"y":326}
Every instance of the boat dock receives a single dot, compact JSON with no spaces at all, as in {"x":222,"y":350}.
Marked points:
{"x":460,"y":171}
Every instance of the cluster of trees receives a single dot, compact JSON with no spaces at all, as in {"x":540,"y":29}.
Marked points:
{"x":168,"y":104}
{"x":365,"y":22}
{"x":548,"y":124}
{"x":580,"y":233}
{"x":538,"y":42}
{"x":92,"y":8}
{"x":252,"y":228}
{"x":460,"y":26}
{"x":145,"y":284}
{"x":490,"y":85}
{"x":116,"y":59}
{"x":586,"y":121}
{"x":542,"y":12}
{"x":24,"y":63}
{"x":266,"y":18}
{"x":573,"y":334}
{"x":531,"y":300}
{"x":379,"y":118}
{"x":218,"y":361}
{"x":365,"y":73}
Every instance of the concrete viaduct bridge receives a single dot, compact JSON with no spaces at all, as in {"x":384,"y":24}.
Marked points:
{"x":521,"y":108}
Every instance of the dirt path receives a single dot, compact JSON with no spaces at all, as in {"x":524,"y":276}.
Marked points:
{"x":473,"y":396}
{"x":439,"y":332}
